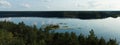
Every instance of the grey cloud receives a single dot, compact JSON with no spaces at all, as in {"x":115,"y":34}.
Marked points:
{"x":4,"y":3}
{"x":26,"y":5}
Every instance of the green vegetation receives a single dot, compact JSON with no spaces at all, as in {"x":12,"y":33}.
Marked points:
{"x":21,"y":34}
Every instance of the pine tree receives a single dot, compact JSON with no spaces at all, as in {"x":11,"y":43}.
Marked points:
{"x":102,"y":41}
{"x":82,"y":39}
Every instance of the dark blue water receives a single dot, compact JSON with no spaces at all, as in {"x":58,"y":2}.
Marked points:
{"x":107,"y":28}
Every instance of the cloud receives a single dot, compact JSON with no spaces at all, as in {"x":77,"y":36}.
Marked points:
{"x":6,"y":19}
{"x":9,"y":19}
{"x":26,"y":5}
{"x":5,"y":4}
{"x":43,"y":23}
{"x":34,"y":23}
{"x":100,"y":4}
{"x":108,"y":4}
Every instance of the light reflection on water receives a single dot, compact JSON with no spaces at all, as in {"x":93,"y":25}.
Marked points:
{"x":107,"y":28}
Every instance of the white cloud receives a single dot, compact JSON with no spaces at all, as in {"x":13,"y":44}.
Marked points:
{"x":26,"y":5}
{"x":34,"y":23}
{"x":81,"y":4}
{"x":43,"y":23}
{"x":6,"y":19}
{"x":100,"y":4}
{"x":5,"y":4}
{"x":108,"y":4}
{"x":56,"y":5}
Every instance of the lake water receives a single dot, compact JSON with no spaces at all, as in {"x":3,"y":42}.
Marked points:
{"x":107,"y":28}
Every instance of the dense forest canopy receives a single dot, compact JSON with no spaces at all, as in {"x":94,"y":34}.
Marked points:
{"x":62,"y":14}
{"x":21,"y":34}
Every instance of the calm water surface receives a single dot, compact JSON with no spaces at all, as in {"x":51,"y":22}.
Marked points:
{"x":107,"y":28}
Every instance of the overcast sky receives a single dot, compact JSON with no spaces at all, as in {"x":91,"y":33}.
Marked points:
{"x":59,"y":5}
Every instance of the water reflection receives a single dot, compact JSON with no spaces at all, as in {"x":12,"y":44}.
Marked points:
{"x":108,"y":28}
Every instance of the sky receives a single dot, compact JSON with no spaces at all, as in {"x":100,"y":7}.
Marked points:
{"x":59,"y":5}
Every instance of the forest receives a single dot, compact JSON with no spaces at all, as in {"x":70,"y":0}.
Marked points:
{"x":22,"y":34}
{"x":62,"y":14}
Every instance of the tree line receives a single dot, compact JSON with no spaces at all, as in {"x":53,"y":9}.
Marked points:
{"x":21,"y":34}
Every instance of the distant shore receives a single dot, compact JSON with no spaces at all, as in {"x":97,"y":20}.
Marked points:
{"x":62,"y":14}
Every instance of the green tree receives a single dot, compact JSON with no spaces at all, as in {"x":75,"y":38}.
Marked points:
{"x":112,"y":42}
{"x":42,"y":42}
{"x":92,"y":39}
{"x":21,"y":34}
{"x":82,"y":39}
{"x":102,"y":41}
{"x":73,"y":39}
{"x":17,"y":41}
{"x":5,"y":37}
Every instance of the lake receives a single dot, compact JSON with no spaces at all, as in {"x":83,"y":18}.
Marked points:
{"x":107,"y":28}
